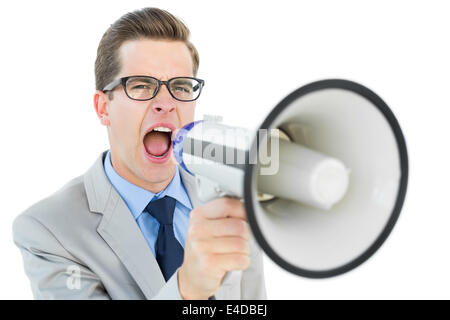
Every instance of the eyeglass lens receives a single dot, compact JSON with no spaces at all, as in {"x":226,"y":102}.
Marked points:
{"x":144,"y":88}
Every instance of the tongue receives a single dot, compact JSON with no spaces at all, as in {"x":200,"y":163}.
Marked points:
{"x":156,"y":143}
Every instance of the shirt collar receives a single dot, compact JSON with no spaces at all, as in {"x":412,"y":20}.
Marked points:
{"x":138,"y":198}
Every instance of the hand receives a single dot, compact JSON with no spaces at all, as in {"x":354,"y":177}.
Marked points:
{"x":217,"y":242}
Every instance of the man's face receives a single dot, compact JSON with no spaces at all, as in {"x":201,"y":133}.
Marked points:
{"x":130,"y":120}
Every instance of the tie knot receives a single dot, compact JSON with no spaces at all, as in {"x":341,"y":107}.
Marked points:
{"x":162,"y":209}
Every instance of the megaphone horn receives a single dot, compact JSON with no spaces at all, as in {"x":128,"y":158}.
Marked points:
{"x":337,"y":178}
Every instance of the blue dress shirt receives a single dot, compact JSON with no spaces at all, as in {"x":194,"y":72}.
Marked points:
{"x":137,"y":199}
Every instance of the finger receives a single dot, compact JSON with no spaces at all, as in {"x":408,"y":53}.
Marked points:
{"x":225,"y":227}
{"x":231,"y":261}
{"x":224,"y":245}
{"x":222,"y":208}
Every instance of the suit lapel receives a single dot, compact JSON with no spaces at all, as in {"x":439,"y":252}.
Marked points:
{"x":191,"y":187}
{"x":119,"y":229}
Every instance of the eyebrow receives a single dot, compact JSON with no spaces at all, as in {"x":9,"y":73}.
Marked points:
{"x":178,"y":81}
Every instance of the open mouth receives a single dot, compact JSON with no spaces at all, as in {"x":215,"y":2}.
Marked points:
{"x":158,"y":142}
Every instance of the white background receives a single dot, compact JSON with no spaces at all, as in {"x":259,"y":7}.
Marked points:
{"x":400,"y":49}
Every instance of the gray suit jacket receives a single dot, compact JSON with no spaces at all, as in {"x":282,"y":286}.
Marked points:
{"x":82,"y":242}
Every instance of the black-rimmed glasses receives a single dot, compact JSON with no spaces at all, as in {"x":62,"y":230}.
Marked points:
{"x":142,"y":88}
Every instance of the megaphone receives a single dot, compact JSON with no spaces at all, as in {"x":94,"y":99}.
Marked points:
{"x":323,"y":178}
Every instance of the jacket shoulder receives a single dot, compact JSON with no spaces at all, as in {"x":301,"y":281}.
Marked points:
{"x":65,"y":213}
{"x":62,"y":203}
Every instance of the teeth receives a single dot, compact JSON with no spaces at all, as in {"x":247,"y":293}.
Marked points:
{"x":162,"y":129}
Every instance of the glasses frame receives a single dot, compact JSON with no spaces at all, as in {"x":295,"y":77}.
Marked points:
{"x":123,"y":81}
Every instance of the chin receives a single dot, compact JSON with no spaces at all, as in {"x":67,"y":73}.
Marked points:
{"x":155,"y":171}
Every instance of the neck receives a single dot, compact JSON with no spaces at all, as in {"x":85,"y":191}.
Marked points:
{"x":155,"y":187}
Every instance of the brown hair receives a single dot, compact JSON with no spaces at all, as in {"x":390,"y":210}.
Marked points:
{"x":150,"y":23}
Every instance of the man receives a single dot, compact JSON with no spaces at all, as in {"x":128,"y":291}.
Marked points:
{"x":132,"y":227}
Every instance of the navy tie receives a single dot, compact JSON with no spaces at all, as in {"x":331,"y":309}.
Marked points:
{"x":169,"y":252}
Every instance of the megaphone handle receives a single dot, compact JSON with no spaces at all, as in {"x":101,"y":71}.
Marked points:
{"x":208,"y":189}
{"x":228,"y":277}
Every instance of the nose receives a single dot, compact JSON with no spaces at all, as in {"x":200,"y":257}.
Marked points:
{"x":163,"y":101}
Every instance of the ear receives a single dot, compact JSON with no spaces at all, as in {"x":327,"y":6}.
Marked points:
{"x":101,"y":105}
